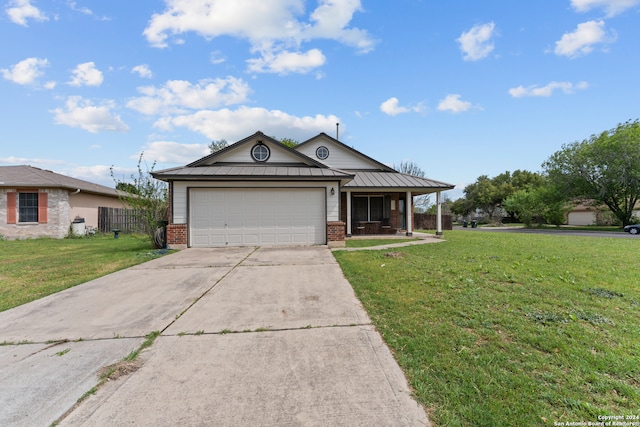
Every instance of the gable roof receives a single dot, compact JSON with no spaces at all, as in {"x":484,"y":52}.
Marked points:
{"x":376,"y":164}
{"x":219,"y":156}
{"x":233,"y":163}
{"x":229,"y":164}
{"x":381,"y":177}
{"x":32,"y":177}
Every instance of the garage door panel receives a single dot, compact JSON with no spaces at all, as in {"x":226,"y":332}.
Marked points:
{"x":236,"y":217}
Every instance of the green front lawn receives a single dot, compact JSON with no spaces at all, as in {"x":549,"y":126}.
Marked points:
{"x":501,"y":329}
{"x":32,"y":269}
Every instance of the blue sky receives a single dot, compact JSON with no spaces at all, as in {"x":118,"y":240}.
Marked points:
{"x":462,"y":88}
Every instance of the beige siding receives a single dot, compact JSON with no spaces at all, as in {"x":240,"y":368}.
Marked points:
{"x":582,"y":218}
{"x":85,"y":205}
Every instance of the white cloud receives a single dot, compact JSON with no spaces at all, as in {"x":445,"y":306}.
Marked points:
{"x":21,"y":10}
{"x":81,"y":113}
{"x":476,"y":43}
{"x":547,"y":90}
{"x":174,"y":152}
{"x":392,"y":107}
{"x":287,"y":62}
{"x":453,"y":104}
{"x":26,"y":72}
{"x":86,"y":75}
{"x":581,"y":41}
{"x":233,"y":125}
{"x":143,"y":71}
{"x":611,"y":7}
{"x":34,"y":161}
{"x":271,"y":27}
{"x":178,"y":95}
{"x":217,"y":57}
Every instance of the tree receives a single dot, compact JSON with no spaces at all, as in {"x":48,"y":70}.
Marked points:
{"x":421,"y":203}
{"x":218,"y":145}
{"x":146,"y":196}
{"x":489,"y":194}
{"x":526,"y":204}
{"x":289,"y":142}
{"x":604,"y":169}
{"x":410,"y":168}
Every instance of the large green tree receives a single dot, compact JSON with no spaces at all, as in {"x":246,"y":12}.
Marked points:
{"x":489,"y":194}
{"x":604,"y":169}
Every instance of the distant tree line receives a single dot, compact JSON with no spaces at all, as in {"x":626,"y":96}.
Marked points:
{"x":601,"y":170}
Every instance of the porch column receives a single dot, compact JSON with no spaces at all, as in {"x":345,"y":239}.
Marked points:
{"x":409,"y":211}
{"x":438,"y":215}
{"x":348,"y":213}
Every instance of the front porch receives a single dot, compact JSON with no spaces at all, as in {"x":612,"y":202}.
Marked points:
{"x":377,"y":213}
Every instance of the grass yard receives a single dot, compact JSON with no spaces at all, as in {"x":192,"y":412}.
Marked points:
{"x":363,"y":243}
{"x":32,"y":269}
{"x":499,"y":329}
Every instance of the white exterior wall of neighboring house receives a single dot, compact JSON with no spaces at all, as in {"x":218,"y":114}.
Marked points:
{"x":180,"y":194}
{"x":57,"y":225}
{"x":85,"y":205}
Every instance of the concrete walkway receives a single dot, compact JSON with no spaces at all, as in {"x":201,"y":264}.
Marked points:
{"x":420,"y":239}
{"x":249,"y":336}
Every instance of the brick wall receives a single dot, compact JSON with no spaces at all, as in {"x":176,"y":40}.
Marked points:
{"x":58,"y":222}
{"x":177,"y":235}
{"x":335,"y":231}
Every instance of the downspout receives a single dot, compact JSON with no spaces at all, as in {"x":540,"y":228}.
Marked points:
{"x":75,"y":192}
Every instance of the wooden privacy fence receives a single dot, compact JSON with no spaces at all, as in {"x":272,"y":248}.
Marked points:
{"x":122,"y":219}
{"x":428,"y":222}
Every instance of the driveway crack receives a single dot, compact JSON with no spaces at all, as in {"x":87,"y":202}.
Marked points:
{"x":209,"y":289}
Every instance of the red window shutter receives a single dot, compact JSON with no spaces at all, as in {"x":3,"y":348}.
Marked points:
{"x":43,"y":208}
{"x":11,"y":208}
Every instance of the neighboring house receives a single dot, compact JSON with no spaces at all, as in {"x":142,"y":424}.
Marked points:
{"x":586,"y":214}
{"x":260,"y":192}
{"x":40,"y":203}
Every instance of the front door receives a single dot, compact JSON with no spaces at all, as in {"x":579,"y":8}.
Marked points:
{"x":401,"y":212}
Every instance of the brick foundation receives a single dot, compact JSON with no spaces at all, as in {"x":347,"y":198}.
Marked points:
{"x":335,"y":233}
{"x":177,"y":236}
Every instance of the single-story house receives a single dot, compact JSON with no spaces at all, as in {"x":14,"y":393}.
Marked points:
{"x":589,"y":214}
{"x":40,"y":203}
{"x":261,"y":192}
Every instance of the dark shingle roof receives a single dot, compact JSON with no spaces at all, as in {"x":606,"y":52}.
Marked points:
{"x":32,"y":177}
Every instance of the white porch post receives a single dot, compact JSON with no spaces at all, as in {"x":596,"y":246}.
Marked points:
{"x":409,"y":211}
{"x":348,"y":213}
{"x":438,"y":215}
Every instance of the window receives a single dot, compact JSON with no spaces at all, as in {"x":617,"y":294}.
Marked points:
{"x":260,"y":152}
{"x":27,"y":207}
{"x":368,"y":208}
{"x":322,"y":152}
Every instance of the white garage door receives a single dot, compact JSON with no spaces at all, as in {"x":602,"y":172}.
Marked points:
{"x":250,"y":216}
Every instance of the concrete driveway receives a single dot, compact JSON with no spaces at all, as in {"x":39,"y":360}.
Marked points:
{"x":249,"y":336}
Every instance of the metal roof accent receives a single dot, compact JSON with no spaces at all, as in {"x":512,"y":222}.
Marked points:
{"x":395,"y":180}
{"x":31,"y":177}
{"x":272,"y":171}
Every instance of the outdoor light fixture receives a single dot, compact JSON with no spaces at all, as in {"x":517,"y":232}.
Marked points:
{"x":333,"y":191}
